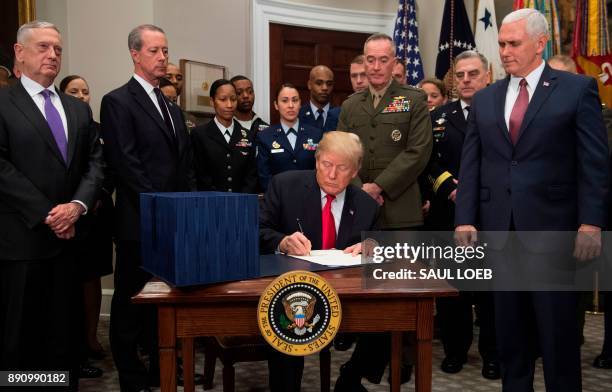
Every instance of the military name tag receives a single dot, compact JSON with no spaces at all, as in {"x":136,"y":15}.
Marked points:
{"x":277,"y":150}
{"x":299,"y":313}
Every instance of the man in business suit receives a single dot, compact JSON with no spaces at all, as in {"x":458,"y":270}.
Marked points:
{"x":449,"y":126}
{"x":535,"y":158}
{"x":318,"y":111}
{"x":298,"y":196}
{"x":50,"y":171}
{"x":146,"y":145}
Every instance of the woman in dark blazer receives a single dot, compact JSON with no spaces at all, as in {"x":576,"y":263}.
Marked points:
{"x":224,"y":152}
{"x":288,"y":145}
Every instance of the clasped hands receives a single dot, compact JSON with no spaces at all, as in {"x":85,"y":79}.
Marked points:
{"x":62,"y":217}
{"x":297,"y":244}
{"x":587,"y":244}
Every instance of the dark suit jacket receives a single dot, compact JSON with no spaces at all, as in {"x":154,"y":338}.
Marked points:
{"x":144,"y":155}
{"x":221,"y":166}
{"x":307,"y":117}
{"x":275,"y":155}
{"x":33,"y":175}
{"x":296,"y":194}
{"x":555,"y":178}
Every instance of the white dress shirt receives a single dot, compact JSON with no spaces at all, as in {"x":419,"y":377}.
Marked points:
{"x":336,"y":207}
{"x":35,"y":90}
{"x":513,"y":90}
{"x":315,"y":111}
{"x":223,"y":128}
{"x":149,"y":89}
{"x":290,"y":136}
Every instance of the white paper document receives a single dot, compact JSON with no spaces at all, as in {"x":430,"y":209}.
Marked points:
{"x":331,"y":257}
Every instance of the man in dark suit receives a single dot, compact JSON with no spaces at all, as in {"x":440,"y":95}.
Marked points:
{"x":50,"y":171}
{"x":292,"y":204}
{"x":146,"y":145}
{"x":318,"y":111}
{"x":449,"y":125}
{"x":535,"y":157}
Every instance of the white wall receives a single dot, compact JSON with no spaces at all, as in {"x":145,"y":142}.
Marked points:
{"x":215,"y":31}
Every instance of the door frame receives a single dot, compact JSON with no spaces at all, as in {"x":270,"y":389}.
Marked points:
{"x":264,"y":12}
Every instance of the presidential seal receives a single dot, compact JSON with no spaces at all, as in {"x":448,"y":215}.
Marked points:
{"x":299,"y":313}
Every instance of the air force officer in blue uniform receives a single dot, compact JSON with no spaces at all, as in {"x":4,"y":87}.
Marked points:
{"x":290,"y":145}
{"x":535,"y":158}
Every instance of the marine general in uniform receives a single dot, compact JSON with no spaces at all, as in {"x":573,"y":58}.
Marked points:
{"x":394,"y":125}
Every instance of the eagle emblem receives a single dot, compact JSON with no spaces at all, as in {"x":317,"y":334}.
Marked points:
{"x":299,"y":307}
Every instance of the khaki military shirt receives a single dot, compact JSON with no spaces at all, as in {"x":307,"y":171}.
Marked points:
{"x":397,"y":140}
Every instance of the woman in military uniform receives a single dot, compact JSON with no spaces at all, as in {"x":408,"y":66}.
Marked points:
{"x":436,"y":92}
{"x":288,"y":145}
{"x":224,"y":152}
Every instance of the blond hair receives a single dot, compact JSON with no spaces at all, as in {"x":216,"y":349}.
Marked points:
{"x":345,"y":144}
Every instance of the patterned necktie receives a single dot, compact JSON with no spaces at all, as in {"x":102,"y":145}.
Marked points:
{"x":164,"y":109}
{"x":328,"y":225}
{"x":55,"y":123}
{"x":518,"y":111}
{"x":320,"y":121}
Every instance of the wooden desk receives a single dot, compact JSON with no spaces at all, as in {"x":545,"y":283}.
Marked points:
{"x":230,"y":309}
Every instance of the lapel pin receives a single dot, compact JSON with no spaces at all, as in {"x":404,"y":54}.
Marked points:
{"x":351,"y":212}
{"x":545,"y":84}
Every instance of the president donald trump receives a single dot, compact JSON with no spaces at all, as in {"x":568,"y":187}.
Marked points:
{"x":535,"y":159}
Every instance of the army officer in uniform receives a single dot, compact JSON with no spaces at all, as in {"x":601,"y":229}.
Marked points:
{"x":290,"y":145}
{"x":224,"y":152}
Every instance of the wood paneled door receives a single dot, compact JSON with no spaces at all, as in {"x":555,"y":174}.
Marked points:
{"x":295,"y":50}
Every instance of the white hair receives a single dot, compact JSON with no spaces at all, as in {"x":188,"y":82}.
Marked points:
{"x":536,"y":23}
{"x":24,"y":30}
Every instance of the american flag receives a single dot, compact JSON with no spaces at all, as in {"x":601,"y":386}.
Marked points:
{"x":406,"y":37}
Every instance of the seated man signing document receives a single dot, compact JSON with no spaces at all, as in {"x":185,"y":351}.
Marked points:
{"x":320,"y":209}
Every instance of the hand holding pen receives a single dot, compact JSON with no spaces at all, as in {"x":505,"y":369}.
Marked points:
{"x":296,"y":243}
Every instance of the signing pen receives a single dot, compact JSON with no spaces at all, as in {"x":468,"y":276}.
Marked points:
{"x":299,"y":224}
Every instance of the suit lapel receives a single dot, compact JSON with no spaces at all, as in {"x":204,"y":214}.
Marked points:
{"x":500,"y":107}
{"x":456,"y":117}
{"x":215,"y":134}
{"x":545,"y":87}
{"x":24,"y":103}
{"x":145,"y":101}
{"x":71,"y":122}
{"x":236,"y":135}
{"x":367,"y":103}
{"x":311,"y":212}
{"x":346,"y":221}
{"x":282,"y":139}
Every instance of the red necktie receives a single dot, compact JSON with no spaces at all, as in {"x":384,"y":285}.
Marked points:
{"x":328,"y":225}
{"x":518,"y":111}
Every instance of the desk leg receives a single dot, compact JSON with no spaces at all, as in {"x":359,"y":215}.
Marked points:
{"x":396,"y":360}
{"x":188,"y":366}
{"x":166,"y":318}
{"x":424,"y":335}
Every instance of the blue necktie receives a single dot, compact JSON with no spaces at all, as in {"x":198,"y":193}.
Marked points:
{"x":55,"y":123}
{"x":320,"y":121}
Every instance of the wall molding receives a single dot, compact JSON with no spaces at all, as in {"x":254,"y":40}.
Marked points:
{"x":264,"y":12}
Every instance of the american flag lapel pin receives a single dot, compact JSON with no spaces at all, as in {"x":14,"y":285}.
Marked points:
{"x":545,"y":84}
